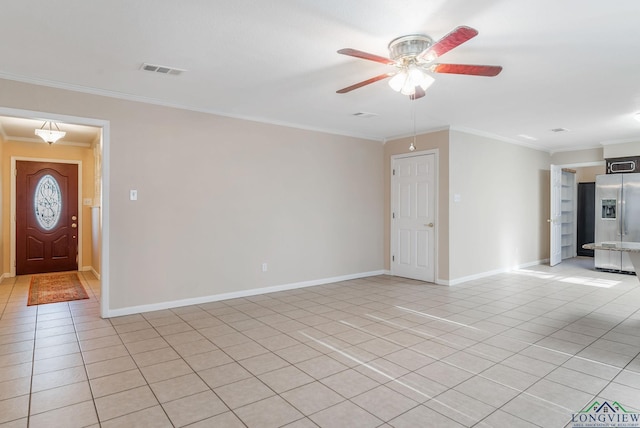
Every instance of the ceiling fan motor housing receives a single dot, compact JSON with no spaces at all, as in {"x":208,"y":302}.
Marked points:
{"x":406,"y":48}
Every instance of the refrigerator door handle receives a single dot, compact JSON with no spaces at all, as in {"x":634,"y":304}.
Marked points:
{"x":623,"y":210}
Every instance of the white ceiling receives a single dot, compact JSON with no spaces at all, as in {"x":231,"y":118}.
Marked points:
{"x":571,"y":64}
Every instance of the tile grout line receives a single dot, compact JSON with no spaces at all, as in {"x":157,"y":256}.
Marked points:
{"x":525,"y":306}
{"x":84,"y":363}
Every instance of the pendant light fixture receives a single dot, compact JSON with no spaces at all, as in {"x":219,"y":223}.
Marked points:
{"x":48,"y":134}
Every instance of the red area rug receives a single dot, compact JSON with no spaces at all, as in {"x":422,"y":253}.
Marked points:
{"x":55,"y":287}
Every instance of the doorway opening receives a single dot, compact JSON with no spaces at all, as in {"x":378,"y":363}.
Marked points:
{"x":569,"y":224}
{"x":99,"y":204}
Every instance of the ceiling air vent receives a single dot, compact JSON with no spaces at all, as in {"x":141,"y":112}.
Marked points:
{"x":364,"y":115}
{"x":162,"y":69}
{"x":559,"y":130}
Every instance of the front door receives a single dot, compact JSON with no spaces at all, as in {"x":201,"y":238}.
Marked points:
{"x":46,"y":217}
{"x":413,"y":217}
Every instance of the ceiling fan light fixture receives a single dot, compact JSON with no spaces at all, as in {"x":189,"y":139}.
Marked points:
{"x":49,"y":134}
{"x":409,"y":88}
{"x":427,"y":81}
{"x":397,"y":82}
{"x":415,"y":75}
{"x":407,"y":79}
{"x":414,"y":55}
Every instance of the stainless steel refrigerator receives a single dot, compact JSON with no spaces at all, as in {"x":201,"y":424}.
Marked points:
{"x":617,"y":218}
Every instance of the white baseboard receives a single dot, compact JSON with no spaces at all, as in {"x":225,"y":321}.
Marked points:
{"x":491,"y":273}
{"x":234,"y":295}
{"x":4,"y":275}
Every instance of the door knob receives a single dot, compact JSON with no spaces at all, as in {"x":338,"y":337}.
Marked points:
{"x":74,"y":218}
{"x":74,"y":225}
{"x":549,"y":220}
{"x":429,"y":225}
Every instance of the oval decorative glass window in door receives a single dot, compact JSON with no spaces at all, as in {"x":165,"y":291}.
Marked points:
{"x":47,"y":202}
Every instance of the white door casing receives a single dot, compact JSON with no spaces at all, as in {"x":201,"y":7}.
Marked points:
{"x":555,"y":217}
{"x":413,"y":216}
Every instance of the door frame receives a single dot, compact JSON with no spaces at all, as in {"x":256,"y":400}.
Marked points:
{"x":555,"y":216}
{"x":104,"y":203}
{"x":392,"y":193}
{"x":565,"y":165}
{"x":14,"y":237}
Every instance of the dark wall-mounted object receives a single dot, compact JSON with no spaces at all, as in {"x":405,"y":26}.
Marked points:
{"x":586,"y":216}
{"x":624,"y":165}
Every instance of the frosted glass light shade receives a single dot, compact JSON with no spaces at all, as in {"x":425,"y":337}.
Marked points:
{"x":406,"y":80}
{"x":409,"y":88}
{"x":427,"y":81}
{"x":398,"y":81}
{"x":48,"y":134}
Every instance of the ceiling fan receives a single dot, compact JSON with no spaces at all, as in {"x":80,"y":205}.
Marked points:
{"x":413,"y":57}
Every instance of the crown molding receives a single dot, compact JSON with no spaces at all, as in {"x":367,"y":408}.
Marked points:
{"x":41,"y":141}
{"x":158,"y":102}
{"x":624,"y":141}
{"x":473,"y":131}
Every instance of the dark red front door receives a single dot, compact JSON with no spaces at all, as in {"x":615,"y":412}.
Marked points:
{"x":46,"y":217}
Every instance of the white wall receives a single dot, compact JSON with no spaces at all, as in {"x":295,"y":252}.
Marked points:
{"x":500,"y":220}
{"x":217,"y":197}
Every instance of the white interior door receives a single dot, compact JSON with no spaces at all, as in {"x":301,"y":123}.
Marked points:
{"x":555,"y":218}
{"x":413,"y":217}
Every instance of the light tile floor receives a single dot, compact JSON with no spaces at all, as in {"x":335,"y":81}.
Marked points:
{"x":521,"y":349}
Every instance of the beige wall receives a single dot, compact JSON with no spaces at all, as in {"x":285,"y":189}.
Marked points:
{"x":220,"y":196}
{"x":577,"y":156}
{"x":587,"y":174}
{"x":217,"y":197}
{"x":3,"y":266}
{"x":435,"y":140}
{"x":500,"y":220}
{"x":45,"y":151}
{"x":473,"y":238}
{"x":621,"y":150}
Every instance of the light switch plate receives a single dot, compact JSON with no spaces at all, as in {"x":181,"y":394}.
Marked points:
{"x":133,"y":195}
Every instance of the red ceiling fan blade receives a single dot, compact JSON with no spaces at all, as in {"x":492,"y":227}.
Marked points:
{"x":364,"y":83}
{"x":419,"y":93}
{"x":474,"y":70}
{"x":364,"y":55}
{"x":455,"y":38}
